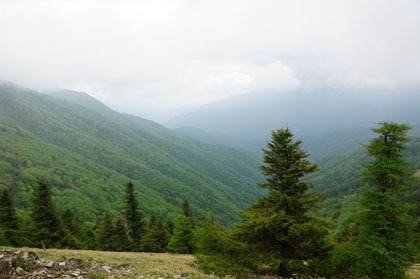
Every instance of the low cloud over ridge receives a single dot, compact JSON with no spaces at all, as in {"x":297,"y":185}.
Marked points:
{"x":174,"y":53}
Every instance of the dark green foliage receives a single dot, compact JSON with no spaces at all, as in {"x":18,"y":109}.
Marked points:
{"x":203,"y":240}
{"x":121,"y":239}
{"x":106,"y":234}
{"x":169,"y":226}
{"x":152,"y":222}
{"x":71,"y":229}
{"x":186,"y":210}
{"x":379,"y":242}
{"x":279,"y":225}
{"x":205,"y":236}
{"x":47,"y":224}
{"x":69,"y":241}
{"x":71,"y":222}
{"x":384,"y":238}
{"x":88,"y":237}
{"x":182,"y":239}
{"x":156,"y":237}
{"x":8,"y":219}
{"x":219,"y":253}
{"x":133,"y":217}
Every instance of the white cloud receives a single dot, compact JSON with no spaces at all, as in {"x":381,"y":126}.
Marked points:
{"x":179,"y":52}
{"x":198,"y":82}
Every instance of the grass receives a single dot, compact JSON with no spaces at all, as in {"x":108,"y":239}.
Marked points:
{"x":147,"y":264}
{"x":150,"y":265}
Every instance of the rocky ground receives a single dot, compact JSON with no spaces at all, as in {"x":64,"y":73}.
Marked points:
{"x":18,"y":264}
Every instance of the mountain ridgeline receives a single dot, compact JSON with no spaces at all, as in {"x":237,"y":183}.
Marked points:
{"x":88,"y":152}
{"x":316,"y":116}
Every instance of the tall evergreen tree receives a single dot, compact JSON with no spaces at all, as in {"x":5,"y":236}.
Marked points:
{"x":71,"y":229}
{"x":156,"y":237}
{"x":182,"y":239}
{"x":152,"y":221}
{"x":47,"y":224}
{"x":186,"y":210}
{"x":8,"y":219}
{"x":384,"y":240}
{"x":106,"y":234}
{"x":133,"y":217}
{"x":169,"y":226}
{"x":88,"y":237}
{"x":121,"y":239}
{"x":279,"y":225}
{"x":71,"y":222}
{"x":205,"y":236}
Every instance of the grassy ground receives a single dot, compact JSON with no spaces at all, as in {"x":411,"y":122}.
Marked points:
{"x":150,"y":265}
{"x":147,"y":264}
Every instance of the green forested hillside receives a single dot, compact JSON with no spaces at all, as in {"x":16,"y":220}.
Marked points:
{"x":87,"y":153}
{"x":340,"y":180}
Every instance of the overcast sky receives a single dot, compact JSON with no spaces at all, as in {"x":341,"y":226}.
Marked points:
{"x":165,"y":54}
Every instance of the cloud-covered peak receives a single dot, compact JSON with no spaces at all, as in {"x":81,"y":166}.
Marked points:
{"x":172,"y":53}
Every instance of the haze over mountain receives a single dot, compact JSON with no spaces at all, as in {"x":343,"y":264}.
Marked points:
{"x":247,"y":119}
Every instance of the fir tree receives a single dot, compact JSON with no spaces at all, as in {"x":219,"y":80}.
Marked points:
{"x":186,"y":210}
{"x":181,"y":240}
{"x":152,"y":221}
{"x":88,"y":237}
{"x":8,"y":218}
{"x":384,"y":241}
{"x":279,"y":225}
{"x":169,"y":226}
{"x":47,"y":224}
{"x":133,"y":217}
{"x":204,"y":236}
{"x":121,"y":239}
{"x":156,"y":237}
{"x":71,"y":222}
{"x":71,"y":229}
{"x":106,"y":234}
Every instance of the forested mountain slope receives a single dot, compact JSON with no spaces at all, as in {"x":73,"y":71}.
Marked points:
{"x":340,"y":180}
{"x":88,"y":152}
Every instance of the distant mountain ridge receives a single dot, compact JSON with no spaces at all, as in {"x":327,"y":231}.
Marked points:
{"x":249,"y":118}
{"x":88,"y":152}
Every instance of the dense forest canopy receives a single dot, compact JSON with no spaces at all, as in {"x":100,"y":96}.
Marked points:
{"x":86,"y":152}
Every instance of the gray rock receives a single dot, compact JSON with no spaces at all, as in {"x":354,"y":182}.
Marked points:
{"x":75,"y":274}
{"x":49,"y":264}
{"x":11,"y":261}
{"x":107,"y":269}
{"x":19,"y":271}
